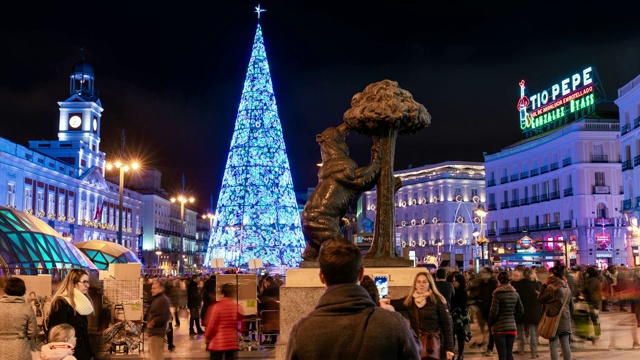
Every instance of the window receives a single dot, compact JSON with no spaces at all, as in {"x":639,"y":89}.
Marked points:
{"x":526,"y":221}
{"x":600,"y":178}
{"x":492,"y":198}
{"x":569,"y":181}
{"x":555,"y":187}
{"x":505,"y":196}
{"x":547,"y":219}
{"x":83,"y":210}
{"x":526,"y":192}
{"x":474,"y":192}
{"x":534,"y":190}
{"x":72,"y":207}
{"x":601,"y":210}
{"x":11,"y":194}
{"x":515,"y":194}
{"x":51,"y":203}
{"x":60,"y":205}
{"x":40,"y":200}
{"x":457,"y":191}
{"x":556,"y":217}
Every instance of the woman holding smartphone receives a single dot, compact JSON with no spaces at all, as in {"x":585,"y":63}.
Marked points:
{"x":427,"y":311}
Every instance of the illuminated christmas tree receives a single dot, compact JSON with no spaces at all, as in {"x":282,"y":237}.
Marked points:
{"x":257,"y":214}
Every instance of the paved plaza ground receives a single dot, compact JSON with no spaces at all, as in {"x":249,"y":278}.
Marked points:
{"x":616,"y":326}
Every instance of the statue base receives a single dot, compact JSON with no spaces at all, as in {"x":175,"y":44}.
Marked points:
{"x":387,"y":262}
{"x":304,"y":264}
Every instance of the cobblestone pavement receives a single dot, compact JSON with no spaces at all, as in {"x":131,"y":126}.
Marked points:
{"x":616,"y":334}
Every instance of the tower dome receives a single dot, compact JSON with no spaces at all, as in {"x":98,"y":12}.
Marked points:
{"x":83,"y":68}
{"x":82,"y":81}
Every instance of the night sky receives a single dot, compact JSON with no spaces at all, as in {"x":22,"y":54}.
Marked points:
{"x":171,"y":73}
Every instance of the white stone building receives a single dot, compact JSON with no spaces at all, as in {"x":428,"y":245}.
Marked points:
{"x":434,"y":213}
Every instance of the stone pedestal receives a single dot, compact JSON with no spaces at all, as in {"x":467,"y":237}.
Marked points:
{"x":303,"y":288}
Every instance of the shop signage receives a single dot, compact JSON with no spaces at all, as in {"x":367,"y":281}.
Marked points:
{"x":571,"y":98}
{"x":526,"y":242}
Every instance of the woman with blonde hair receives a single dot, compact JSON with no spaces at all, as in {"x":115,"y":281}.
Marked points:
{"x":427,"y":311}
{"x":71,"y":305}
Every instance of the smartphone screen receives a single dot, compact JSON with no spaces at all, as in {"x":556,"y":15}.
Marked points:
{"x":382,"y":283}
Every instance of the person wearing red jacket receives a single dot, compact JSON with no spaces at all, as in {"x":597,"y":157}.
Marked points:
{"x":222,"y":325}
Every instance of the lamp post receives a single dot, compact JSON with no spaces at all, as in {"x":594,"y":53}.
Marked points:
{"x":123,"y":167}
{"x":482,"y":213}
{"x":182,"y":199}
{"x":158,"y":252}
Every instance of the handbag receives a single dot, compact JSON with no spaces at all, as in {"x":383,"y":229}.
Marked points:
{"x":548,"y":325}
{"x":430,"y":342}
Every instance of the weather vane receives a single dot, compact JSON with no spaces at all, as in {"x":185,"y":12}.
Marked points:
{"x":259,"y":10}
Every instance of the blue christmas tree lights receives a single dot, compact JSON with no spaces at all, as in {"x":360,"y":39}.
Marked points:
{"x":256,"y":215}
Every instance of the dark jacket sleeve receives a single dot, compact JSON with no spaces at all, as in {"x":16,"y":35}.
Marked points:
{"x":446,"y":326}
{"x":59,"y":313}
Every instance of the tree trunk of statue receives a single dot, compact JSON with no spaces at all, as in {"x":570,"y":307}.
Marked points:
{"x":384,"y":235}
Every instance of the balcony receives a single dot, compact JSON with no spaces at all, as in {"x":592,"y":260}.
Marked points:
{"x":515,"y":203}
{"x":554,"y":195}
{"x":601,"y":189}
{"x":568,"y":192}
{"x":637,"y":202}
{"x":626,"y":204}
{"x":491,"y":182}
{"x":636,"y":160}
{"x":625,"y":129}
{"x":626,"y":165}
{"x":553,"y":166}
{"x":534,"y":200}
{"x":492,"y":207}
{"x":566,"y":162}
{"x":599,"y":158}
{"x":504,"y":180}
{"x":636,"y":122}
{"x":568,"y":224}
{"x":544,"y":169}
{"x":514,"y":177}
{"x":524,"y":201}
{"x":534,"y":172}
{"x":524,"y":175}
{"x":491,"y":232}
{"x":544,"y":197}
{"x":504,"y":205}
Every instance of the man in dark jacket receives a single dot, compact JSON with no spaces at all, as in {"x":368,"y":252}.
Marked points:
{"x":194,"y":302}
{"x":529,"y":289}
{"x":444,"y":287}
{"x":158,"y":316}
{"x":328,"y":332}
{"x":208,"y":295}
{"x":593,"y":296}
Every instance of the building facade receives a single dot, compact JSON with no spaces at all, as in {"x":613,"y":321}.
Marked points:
{"x":557,"y":195}
{"x":629,"y":105}
{"x":62,"y":181}
{"x":435,"y":213}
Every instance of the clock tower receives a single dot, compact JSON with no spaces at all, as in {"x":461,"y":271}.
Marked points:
{"x":79,"y":124}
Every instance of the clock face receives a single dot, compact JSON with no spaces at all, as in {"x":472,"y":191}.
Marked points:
{"x":95,"y":125}
{"x":75,"y":121}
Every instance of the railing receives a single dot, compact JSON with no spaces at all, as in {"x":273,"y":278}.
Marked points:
{"x":626,"y":204}
{"x":601,"y":189}
{"x":599,"y":158}
{"x":568,"y":224}
{"x":554,"y":195}
{"x":625,"y":129}
{"x":636,"y":122}
{"x":544,"y":169}
{"x":534,"y":199}
{"x":553,"y":166}
{"x":524,"y":175}
{"x":636,"y":160}
{"x":534,"y":172}
{"x":566,"y":162}
{"x":492,"y":207}
{"x":637,"y":201}
{"x":515,"y":203}
{"x":568,"y":192}
{"x":524,"y":201}
{"x":626,"y":165}
{"x":514,"y":177}
{"x":491,"y":182}
{"x":544,"y":197}
{"x":504,"y":180}
{"x":504,"y":205}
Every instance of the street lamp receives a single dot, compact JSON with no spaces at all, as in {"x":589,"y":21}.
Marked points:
{"x":123,"y":167}
{"x":482,"y":213}
{"x":209,"y":216}
{"x":183,"y":199}
{"x":158,"y":252}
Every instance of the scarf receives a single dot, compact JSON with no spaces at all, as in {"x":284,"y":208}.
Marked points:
{"x":83,"y":304}
{"x":420,"y":299}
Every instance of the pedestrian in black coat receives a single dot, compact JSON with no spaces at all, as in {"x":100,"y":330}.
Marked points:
{"x":194,"y":302}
